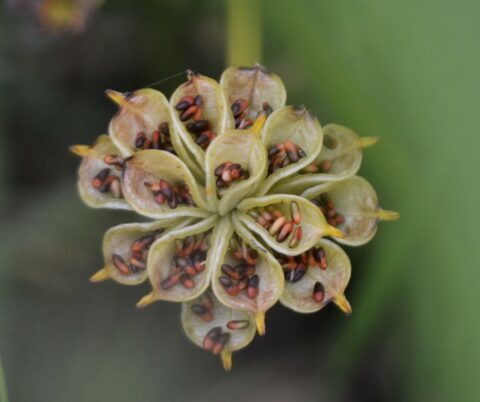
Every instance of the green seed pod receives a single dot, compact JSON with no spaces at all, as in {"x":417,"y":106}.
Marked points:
{"x":246,"y":276}
{"x":144,"y":121}
{"x":244,"y":150}
{"x":280,"y":236}
{"x":159,"y":185}
{"x":199,"y":111}
{"x":356,"y":202}
{"x":99,"y":182}
{"x":340,"y":158}
{"x":299,"y":295}
{"x":251,"y":90}
{"x":179,"y":263}
{"x":126,"y":248}
{"x":294,"y":138}
{"x":239,"y":325}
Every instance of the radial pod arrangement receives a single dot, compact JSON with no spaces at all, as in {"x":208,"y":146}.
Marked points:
{"x":242,"y":192}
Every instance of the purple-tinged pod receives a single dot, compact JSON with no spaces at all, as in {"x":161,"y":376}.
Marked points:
{"x":199,"y":111}
{"x":99,"y":181}
{"x":289,"y":224}
{"x":250,"y":91}
{"x":236,"y":164}
{"x":126,"y":248}
{"x":293,"y":138}
{"x":179,"y":263}
{"x":228,"y":331}
{"x":144,"y":121}
{"x":352,"y":206}
{"x":159,"y":185}
{"x":339,"y":159}
{"x":317,"y":287}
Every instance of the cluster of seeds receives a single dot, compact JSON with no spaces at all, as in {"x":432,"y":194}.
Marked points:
{"x":139,"y":252}
{"x":295,"y":267}
{"x":215,"y":340}
{"x":326,"y":205}
{"x":275,"y":221}
{"x":228,"y":172}
{"x":239,"y":111}
{"x":174,"y":195}
{"x":104,"y":181}
{"x":190,"y":108}
{"x":326,"y":165}
{"x":241,"y":277}
{"x":283,"y":154}
{"x":189,"y":261}
{"x":160,"y":139}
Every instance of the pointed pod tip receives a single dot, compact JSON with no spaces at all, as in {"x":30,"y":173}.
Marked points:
{"x":257,"y":127}
{"x":368,"y":141}
{"x":335,"y":232}
{"x":100,"y":276}
{"x":80,"y":150}
{"x":226,"y":357}
{"x":260,"y":321}
{"x":116,"y":96}
{"x":343,"y":304}
{"x":388,"y":215}
{"x":146,"y":300}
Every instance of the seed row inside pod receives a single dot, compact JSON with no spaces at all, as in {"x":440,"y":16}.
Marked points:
{"x":159,"y":139}
{"x":215,"y":340}
{"x":105,"y":182}
{"x":190,"y":110}
{"x":279,"y":224}
{"x":174,"y":195}
{"x":326,"y":205}
{"x":229,"y":173}
{"x":326,"y":165}
{"x":283,"y":154}
{"x":242,"y":276}
{"x":239,"y":111}
{"x":188,"y":261}
{"x":204,"y":309}
{"x":138,"y":258}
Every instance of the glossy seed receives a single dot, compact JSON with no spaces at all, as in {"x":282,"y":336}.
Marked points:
{"x":207,"y":302}
{"x":230,"y":272}
{"x":204,"y":313}
{"x":142,"y":243}
{"x":296,"y":213}
{"x":211,"y":337}
{"x":318,"y":292}
{"x":321,"y":258}
{"x":170,"y":281}
{"x":238,"y":324}
{"x":220,"y":343}
{"x":252,"y":288}
{"x":232,"y":290}
{"x":225,"y":281}
{"x":299,"y":273}
{"x":296,"y":237}
{"x":119,"y":263}
{"x":242,"y":283}
{"x":277,"y":225}
{"x":187,"y":281}
{"x":285,"y":231}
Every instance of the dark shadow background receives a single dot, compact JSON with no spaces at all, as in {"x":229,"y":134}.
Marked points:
{"x":404,"y":70}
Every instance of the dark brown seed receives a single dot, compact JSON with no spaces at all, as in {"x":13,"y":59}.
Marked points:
{"x":207,"y":302}
{"x":198,"y":101}
{"x":103,"y":174}
{"x":119,"y":263}
{"x":230,"y":272}
{"x":199,"y":309}
{"x":242,"y":283}
{"x":267,"y":108}
{"x":220,"y":343}
{"x":211,"y":338}
{"x":318,"y":292}
{"x":187,"y":281}
{"x":199,"y":262}
{"x":252,"y":288}
{"x":232,"y":290}
{"x":225,"y":281}
{"x":170,"y":281}
{"x":188,"y":113}
{"x":139,"y":264}
{"x":299,"y":272}
{"x":239,"y":106}
{"x":285,"y":231}
{"x":142,"y":243}
{"x":238,"y":324}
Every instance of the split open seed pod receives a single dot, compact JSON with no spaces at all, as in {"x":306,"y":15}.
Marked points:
{"x":238,"y":147}
{"x":179,"y":263}
{"x":126,"y":248}
{"x":312,"y":222}
{"x":98,"y":182}
{"x":226,"y":331}
{"x":251,"y":90}
{"x":206,"y":104}
{"x":246,"y":276}
{"x":356,"y":200}
{"x":147,"y":168}
{"x":332,"y":281}
{"x":300,"y":133}
{"x":340,"y":158}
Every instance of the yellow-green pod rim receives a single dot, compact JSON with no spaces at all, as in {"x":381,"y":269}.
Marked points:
{"x":151,"y":166}
{"x":298,"y":125}
{"x":314,"y":225}
{"x":195,"y":328}
{"x":238,"y":147}
{"x":298,"y":296}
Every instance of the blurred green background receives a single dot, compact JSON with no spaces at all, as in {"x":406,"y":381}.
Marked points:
{"x":407,"y":71}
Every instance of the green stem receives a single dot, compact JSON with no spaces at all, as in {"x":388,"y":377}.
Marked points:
{"x":244,"y":35}
{"x":3,"y":385}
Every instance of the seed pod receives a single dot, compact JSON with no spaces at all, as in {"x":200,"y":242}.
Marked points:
{"x":247,"y":151}
{"x":162,"y":263}
{"x":92,"y":165}
{"x":145,"y":111}
{"x":224,"y":318}
{"x":344,"y":160}
{"x":132,"y":240}
{"x":269,"y":272}
{"x":313,"y":224}
{"x":302,"y":136}
{"x":248,"y":88}
{"x":213,"y":108}
{"x":357,"y":203}
{"x":304,"y":295}
{"x":152,"y":166}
